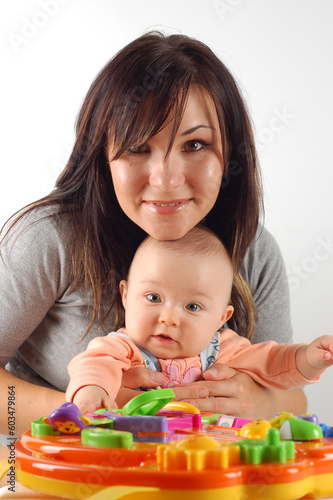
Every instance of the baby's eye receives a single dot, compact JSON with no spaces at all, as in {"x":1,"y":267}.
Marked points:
{"x":195,"y":145}
{"x":193,"y":307}
{"x":153,"y":297}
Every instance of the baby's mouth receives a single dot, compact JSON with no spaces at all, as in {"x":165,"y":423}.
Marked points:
{"x":164,"y":338}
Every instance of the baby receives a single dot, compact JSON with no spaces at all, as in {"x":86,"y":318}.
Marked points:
{"x":176,"y":301}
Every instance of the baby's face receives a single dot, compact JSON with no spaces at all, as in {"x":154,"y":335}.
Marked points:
{"x":175,"y":302}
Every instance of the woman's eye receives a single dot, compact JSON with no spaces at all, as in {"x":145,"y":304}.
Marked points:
{"x":153,"y":297}
{"x":195,"y":145}
{"x":193,"y":307}
{"x":138,"y":149}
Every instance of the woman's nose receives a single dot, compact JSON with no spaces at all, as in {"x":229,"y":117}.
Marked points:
{"x":166,"y":174}
{"x":169,"y":317}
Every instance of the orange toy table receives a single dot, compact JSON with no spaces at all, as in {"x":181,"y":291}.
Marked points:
{"x":197,"y":463}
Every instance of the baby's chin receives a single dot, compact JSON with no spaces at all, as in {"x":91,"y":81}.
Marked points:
{"x":169,"y":355}
{"x":163,"y":346}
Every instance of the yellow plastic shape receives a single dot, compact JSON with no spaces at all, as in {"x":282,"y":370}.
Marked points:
{"x":280,"y":418}
{"x":79,"y":491}
{"x":198,"y":443}
{"x":197,"y":453}
{"x":255,"y":430}
{"x":4,"y":467}
{"x":321,"y":484}
{"x":181,"y":406}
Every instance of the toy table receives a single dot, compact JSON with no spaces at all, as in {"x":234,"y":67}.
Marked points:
{"x":174,"y":453}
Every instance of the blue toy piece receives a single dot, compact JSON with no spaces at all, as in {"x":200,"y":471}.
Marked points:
{"x":327,"y":430}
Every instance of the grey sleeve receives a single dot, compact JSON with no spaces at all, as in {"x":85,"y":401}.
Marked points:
{"x":43,"y":313}
{"x":265,"y":272}
{"x":32,"y":276}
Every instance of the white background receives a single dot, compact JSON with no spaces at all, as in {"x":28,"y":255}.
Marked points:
{"x":280,"y":52}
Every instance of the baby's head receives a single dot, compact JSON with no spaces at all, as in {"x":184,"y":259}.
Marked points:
{"x":178,"y":293}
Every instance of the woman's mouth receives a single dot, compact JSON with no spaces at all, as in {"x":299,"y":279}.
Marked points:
{"x":168,"y":204}
{"x":167,"y":208}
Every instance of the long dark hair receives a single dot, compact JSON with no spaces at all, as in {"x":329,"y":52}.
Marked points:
{"x":146,"y":83}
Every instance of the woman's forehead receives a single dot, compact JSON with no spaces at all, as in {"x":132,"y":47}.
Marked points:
{"x":193,"y":108}
{"x":200,"y":106}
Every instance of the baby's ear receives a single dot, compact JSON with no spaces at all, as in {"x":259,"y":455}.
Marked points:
{"x":123,"y":291}
{"x":228,"y":312}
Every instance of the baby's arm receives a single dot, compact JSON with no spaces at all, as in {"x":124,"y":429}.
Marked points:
{"x":313,"y":359}
{"x":92,"y":397}
{"x":96,"y":374}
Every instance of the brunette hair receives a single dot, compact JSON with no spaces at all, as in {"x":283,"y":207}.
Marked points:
{"x":130,"y":100}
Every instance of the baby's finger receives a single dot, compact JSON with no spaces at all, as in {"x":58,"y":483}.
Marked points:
{"x":321,"y":357}
{"x":109,"y":403}
{"x":322,"y":354}
{"x":326,"y":342}
{"x":141,"y":377}
{"x":86,"y":407}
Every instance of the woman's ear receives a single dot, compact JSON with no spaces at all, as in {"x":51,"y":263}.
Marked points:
{"x":228,"y":312}
{"x":123,"y":291}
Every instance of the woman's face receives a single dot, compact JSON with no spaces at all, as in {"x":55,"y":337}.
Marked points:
{"x":167,"y":196}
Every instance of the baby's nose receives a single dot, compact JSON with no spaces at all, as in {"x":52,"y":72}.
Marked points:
{"x":169,"y":317}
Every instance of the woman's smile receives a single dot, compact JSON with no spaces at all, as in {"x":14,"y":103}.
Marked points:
{"x":166,"y":208}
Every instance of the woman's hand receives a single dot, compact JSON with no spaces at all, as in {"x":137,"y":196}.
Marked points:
{"x":223,"y":390}
{"x":231,"y":392}
{"x":235,"y":393}
{"x":141,"y":377}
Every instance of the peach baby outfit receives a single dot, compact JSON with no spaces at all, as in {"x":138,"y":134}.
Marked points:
{"x":102,"y":364}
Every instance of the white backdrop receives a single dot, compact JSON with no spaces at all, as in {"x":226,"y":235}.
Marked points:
{"x":280,"y":52}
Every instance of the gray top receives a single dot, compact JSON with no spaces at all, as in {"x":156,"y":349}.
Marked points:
{"x":43,"y":316}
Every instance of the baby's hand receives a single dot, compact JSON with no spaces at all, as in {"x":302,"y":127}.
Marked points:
{"x":314,"y":358}
{"x":319,"y":353}
{"x":91,"y":398}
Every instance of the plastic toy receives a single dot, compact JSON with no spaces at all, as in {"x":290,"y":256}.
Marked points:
{"x":256,"y":429}
{"x":147,"y":451}
{"x":327,"y":430}
{"x":230,"y":421}
{"x":67,"y":419}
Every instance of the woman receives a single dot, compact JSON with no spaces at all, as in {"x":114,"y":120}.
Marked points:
{"x":163,"y":142}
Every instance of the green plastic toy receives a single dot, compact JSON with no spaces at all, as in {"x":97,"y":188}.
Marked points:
{"x":271,"y":449}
